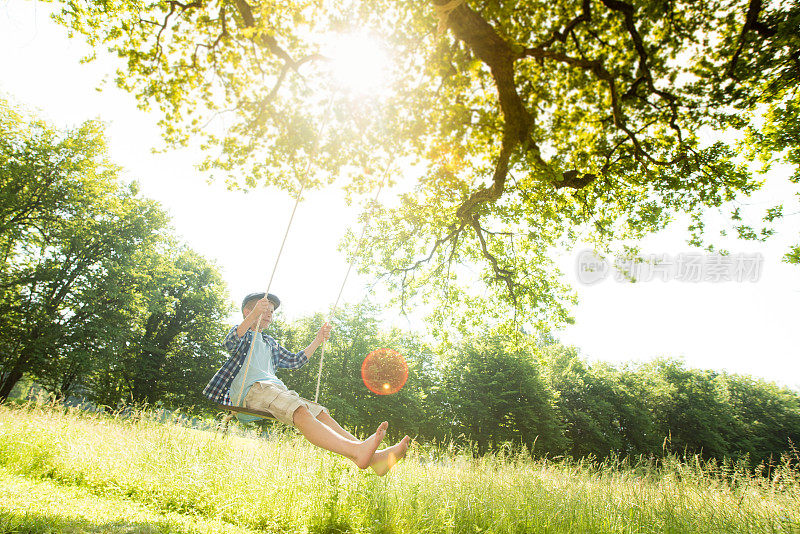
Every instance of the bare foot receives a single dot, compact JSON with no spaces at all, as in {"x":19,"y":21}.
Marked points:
{"x":385,"y":459}
{"x":366,"y":449}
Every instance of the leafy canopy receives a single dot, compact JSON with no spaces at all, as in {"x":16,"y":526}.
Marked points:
{"x":522,"y":128}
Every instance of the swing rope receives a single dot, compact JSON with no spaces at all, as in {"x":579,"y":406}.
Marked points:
{"x":303,"y":179}
{"x":350,"y":268}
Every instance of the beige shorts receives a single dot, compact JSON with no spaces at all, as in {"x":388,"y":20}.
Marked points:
{"x":279,"y":401}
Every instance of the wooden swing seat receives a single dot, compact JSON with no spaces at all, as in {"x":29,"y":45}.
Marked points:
{"x":247,"y":411}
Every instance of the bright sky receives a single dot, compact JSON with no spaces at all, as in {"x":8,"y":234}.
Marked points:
{"x":743,"y":327}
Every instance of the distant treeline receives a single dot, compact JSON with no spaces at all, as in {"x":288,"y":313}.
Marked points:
{"x":99,"y":300}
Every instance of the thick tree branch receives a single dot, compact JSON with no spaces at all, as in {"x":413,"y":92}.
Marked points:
{"x":491,"y":194}
{"x":500,"y":57}
{"x":751,"y":22}
{"x":585,"y":16}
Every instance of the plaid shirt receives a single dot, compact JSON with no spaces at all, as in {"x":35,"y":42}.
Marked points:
{"x":218,"y":389}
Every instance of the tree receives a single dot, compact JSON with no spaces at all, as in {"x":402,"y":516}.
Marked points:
{"x":67,"y":226}
{"x":45,"y":174}
{"x":757,"y":73}
{"x":587,"y":403}
{"x":64,"y":305}
{"x":767,"y":419}
{"x":171,"y":345}
{"x":495,"y":395}
{"x":697,"y":415}
{"x":533,"y":124}
{"x":96,"y":298}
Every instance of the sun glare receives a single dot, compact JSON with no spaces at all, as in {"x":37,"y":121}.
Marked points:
{"x":360,"y":62}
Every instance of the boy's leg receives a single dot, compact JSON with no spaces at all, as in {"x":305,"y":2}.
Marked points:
{"x":322,"y":430}
{"x":383,"y":460}
{"x":326,"y":418}
{"x":327,"y":438}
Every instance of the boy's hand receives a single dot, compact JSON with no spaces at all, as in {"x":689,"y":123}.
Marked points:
{"x":324,"y":333}
{"x":262,"y":305}
{"x":321,"y":337}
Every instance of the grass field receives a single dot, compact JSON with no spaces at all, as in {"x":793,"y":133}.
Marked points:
{"x":64,"y":470}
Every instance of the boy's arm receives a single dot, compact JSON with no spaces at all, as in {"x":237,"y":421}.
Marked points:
{"x":288,"y":360}
{"x":252,"y":318}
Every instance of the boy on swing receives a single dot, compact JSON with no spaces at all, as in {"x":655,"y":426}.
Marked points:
{"x":262,"y":390}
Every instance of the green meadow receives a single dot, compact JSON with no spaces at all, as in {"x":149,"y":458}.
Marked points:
{"x":66,"y":470}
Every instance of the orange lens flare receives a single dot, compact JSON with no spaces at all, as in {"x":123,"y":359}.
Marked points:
{"x":384,"y":371}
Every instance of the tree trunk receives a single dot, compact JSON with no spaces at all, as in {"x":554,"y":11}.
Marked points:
{"x":20,"y":366}
{"x":11,"y":380}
